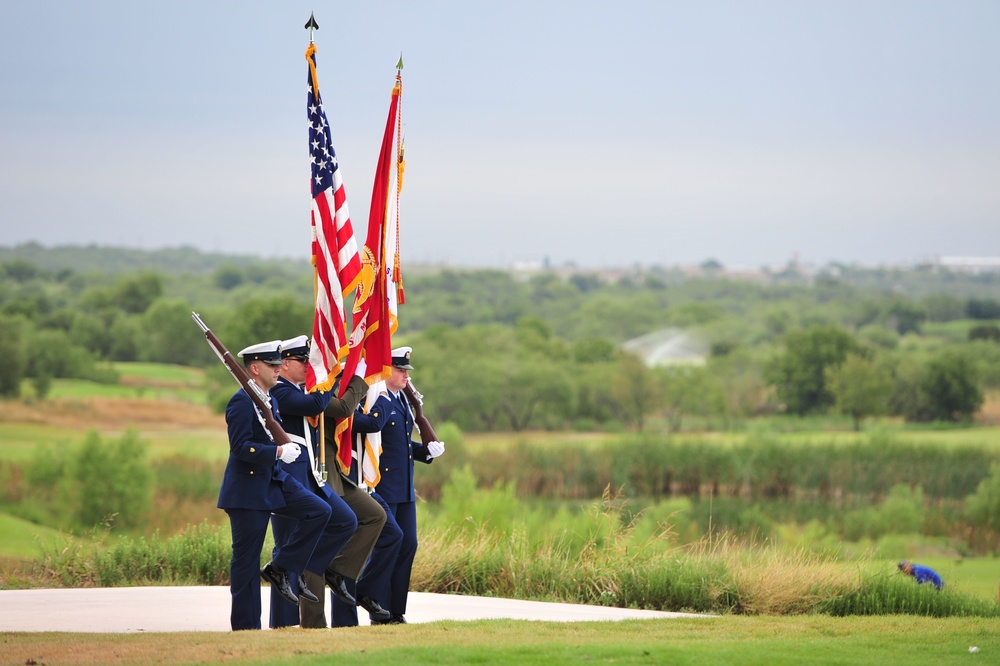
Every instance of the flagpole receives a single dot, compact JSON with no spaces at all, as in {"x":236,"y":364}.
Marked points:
{"x":312,"y":27}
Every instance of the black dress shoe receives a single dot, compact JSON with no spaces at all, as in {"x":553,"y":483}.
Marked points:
{"x":339,"y":588}
{"x":375,"y":611}
{"x":392,"y":619}
{"x":305,"y":592}
{"x":279,"y":580}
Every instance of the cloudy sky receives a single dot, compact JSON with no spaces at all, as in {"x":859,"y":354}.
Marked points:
{"x":593,"y":133}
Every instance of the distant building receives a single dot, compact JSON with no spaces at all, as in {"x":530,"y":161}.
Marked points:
{"x":973,"y":265}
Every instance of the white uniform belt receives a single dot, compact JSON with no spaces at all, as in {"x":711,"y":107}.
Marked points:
{"x":304,"y":443}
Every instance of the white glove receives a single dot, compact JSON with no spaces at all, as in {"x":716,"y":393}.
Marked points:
{"x":362,"y":367}
{"x":434,"y":449}
{"x":379,"y":388}
{"x":289,"y":452}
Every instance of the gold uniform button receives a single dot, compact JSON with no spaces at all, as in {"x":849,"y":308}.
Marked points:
{"x":375,"y":414}
{"x":253,"y":450}
{"x":251,"y":472}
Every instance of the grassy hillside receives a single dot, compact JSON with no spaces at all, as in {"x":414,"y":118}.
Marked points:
{"x":21,"y":540}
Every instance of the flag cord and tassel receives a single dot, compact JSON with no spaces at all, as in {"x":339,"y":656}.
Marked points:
{"x":397,"y":271}
{"x":310,"y":52}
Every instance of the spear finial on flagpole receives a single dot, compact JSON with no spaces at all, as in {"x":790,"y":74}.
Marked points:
{"x":399,"y":63}
{"x":311,"y":26}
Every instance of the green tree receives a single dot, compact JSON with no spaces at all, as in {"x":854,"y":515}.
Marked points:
{"x":634,"y":390}
{"x":798,"y":373}
{"x":12,"y":369}
{"x":111,"y":480}
{"x":173,"y":337}
{"x":909,"y":395}
{"x":56,"y":354}
{"x":517,"y":375}
{"x":905,"y":316}
{"x":688,"y":390}
{"x":461,"y":373}
{"x":127,"y":338}
{"x":952,"y":387}
{"x":985,"y":332}
{"x":20,"y":270}
{"x":592,"y":350}
{"x":535,"y":384}
{"x":860,"y":387}
{"x":135,"y":294}
{"x":982,"y":508}
{"x":941,"y":307}
{"x":983,"y":308}
{"x":92,"y":331}
{"x":744,"y":388}
{"x":260,"y":320}
{"x":228,"y":277}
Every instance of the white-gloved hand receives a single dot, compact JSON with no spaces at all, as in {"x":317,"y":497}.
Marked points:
{"x":361,"y":369}
{"x":379,"y":388}
{"x":434,"y":449}
{"x":289,"y":452}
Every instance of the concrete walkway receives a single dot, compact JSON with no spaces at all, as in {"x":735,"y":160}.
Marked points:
{"x":206,"y":608}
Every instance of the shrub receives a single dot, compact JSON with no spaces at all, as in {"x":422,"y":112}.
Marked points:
{"x":111,"y":481}
{"x":982,"y":508}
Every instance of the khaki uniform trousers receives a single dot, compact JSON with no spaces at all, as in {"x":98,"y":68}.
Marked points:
{"x":350,"y":561}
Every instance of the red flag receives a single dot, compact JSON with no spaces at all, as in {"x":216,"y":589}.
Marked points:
{"x":372,"y":335}
{"x":334,"y":249}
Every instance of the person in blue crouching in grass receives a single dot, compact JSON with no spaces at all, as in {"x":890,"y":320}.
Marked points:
{"x":921,"y":573}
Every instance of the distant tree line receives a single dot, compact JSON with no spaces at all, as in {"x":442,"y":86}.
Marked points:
{"x":498,"y":350}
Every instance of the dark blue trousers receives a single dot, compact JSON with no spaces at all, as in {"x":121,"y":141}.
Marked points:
{"x":374,"y":581}
{"x":405,"y":514}
{"x":339,"y":529}
{"x":308,"y":543}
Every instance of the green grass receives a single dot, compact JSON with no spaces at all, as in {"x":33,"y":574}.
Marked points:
{"x":82,"y":388}
{"x":207,"y":445}
{"x":137,"y":380}
{"x":18,"y":441}
{"x":728,"y":640}
{"x":21,"y":540}
{"x":161,"y":373}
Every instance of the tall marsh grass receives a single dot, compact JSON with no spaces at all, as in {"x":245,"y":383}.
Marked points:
{"x":601,"y":556}
{"x":761,"y":466}
{"x":198,"y":556}
{"x":497,"y":546}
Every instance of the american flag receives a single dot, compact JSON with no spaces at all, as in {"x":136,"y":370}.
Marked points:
{"x":334,"y":248}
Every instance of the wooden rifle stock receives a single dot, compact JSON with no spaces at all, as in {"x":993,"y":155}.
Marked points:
{"x":259,"y":396}
{"x":416,"y":399}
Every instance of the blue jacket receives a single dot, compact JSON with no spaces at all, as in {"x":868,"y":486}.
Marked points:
{"x":295,"y":405}
{"x":392,"y":415}
{"x":252,"y":479}
{"x":927,"y":575}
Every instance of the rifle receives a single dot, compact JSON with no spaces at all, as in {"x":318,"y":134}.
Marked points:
{"x":417,"y":402}
{"x":260,"y":397}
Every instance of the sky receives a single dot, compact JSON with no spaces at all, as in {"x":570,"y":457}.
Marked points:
{"x":581,"y":133}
